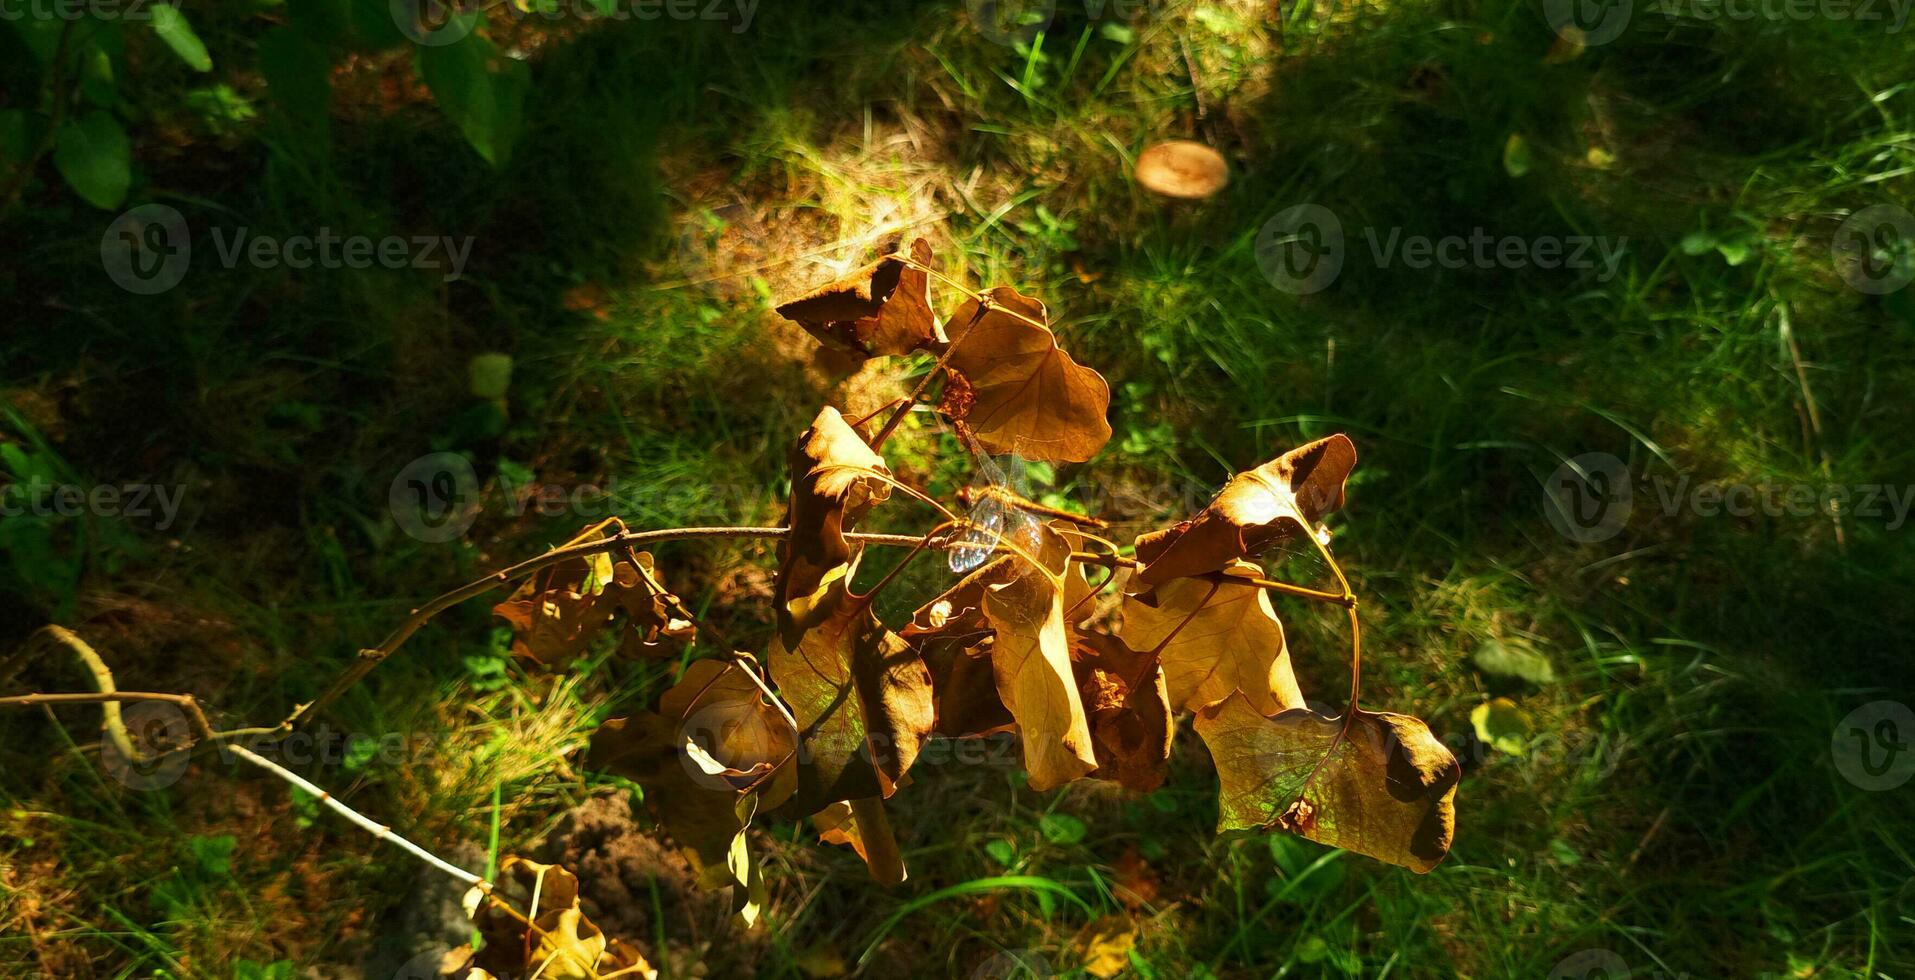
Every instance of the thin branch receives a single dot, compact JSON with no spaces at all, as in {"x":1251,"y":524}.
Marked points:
{"x":113,"y":724}
{"x":378,"y":830}
{"x":1119,"y":561}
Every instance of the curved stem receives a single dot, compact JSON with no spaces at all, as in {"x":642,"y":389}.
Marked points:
{"x":1356,"y":678}
{"x":1301,"y":592}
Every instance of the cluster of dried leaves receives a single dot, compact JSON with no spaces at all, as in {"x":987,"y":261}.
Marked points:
{"x":552,"y":939}
{"x":829,"y":723}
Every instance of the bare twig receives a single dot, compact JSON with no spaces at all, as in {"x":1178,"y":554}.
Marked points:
{"x":378,"y":830}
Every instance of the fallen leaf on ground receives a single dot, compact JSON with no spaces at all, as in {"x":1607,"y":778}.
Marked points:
{"x":1182,"y":169}
{"x":1502,"y":725}
{"x":1104,"y":946}
{"x":564,"y":946}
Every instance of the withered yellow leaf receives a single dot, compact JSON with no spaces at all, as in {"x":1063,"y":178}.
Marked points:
{"x":863,"y":825}
{"x":1129,"y":711}
{"x":831,"y":488}
{"x":565,"y":945}
{"x":1030,"y":657}
{"x":1257,"y":508}
{"x":1223,"y":638}
{"x":731,"y":730}
{"x":553,"y":616}
{"x":557,"y":612}
{"x":955,"y":640}
{"x":1105,"y":946}
{"x":861,"y":695}
{"x":1386,"y":790}
{"x":657,"y":623}
{"x":705,"y":759}
{"x":1020,"y":392}
{"x":883,"y":308}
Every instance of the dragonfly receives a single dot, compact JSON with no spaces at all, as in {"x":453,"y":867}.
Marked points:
{"x":998,"y":513}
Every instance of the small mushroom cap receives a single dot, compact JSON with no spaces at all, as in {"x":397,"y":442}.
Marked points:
{"x":1182,"y":168}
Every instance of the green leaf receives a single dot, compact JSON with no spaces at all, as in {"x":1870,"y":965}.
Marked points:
{"x":1513,"y":658}
{"x":1516,"y":156}
{"x":481,"y":90}
{"x":1001,"y":851}
{"x":41,"y":35}
{"x":1564,"y":852}
{"x":489,"y":375}
{"x":173,"y":28}
{"x":1062,"y":828}
{"x":214,"y":854}
{"x":94,"y":155}
{"x":1735,"y":251}
{"x":1502,"y":725}
{"x":97,"y":80}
